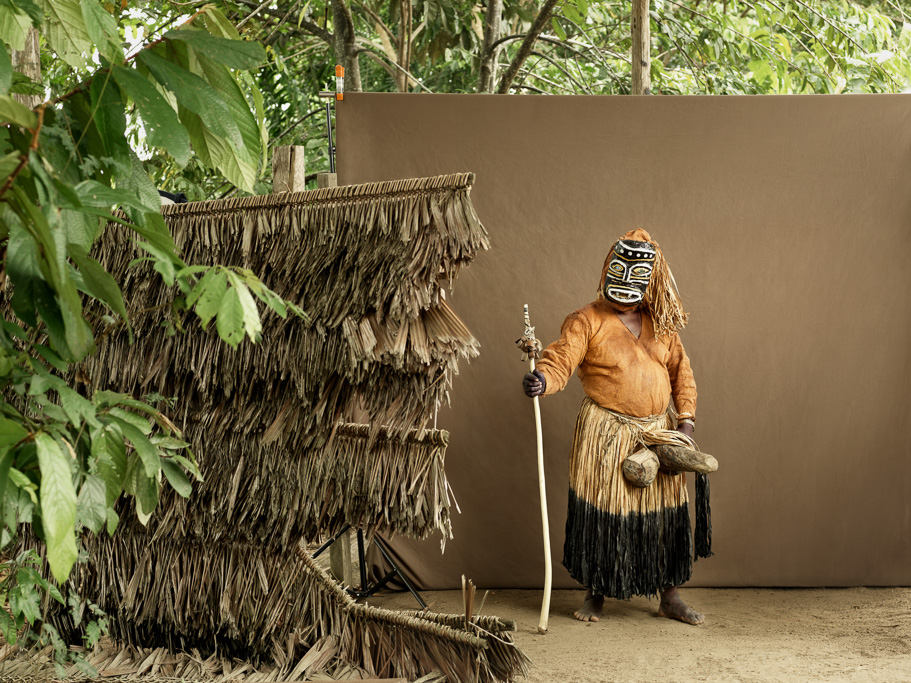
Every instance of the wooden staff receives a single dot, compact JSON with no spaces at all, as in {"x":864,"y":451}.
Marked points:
{"x":531,"y":347}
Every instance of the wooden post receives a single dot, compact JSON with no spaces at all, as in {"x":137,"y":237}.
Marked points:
{"x":326,"y":180}
{"x":289,"y":170}
{"x":640,"y":56}
{"x":340,"y":565}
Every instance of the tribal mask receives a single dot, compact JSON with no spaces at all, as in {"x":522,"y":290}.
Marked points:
{"x":629,"y":271}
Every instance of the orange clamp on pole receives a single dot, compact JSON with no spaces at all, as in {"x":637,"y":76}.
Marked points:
{"x":339,"y":82}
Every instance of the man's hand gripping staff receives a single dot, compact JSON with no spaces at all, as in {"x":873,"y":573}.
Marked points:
{"x":534,"y":384}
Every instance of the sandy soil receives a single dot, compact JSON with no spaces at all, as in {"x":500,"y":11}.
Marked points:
{"x":762,"y":635}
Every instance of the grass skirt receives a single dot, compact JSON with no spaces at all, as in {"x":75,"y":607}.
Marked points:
{"x":622,"y":540}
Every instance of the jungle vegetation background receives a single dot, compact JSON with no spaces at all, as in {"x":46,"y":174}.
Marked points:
{"x":102,"y":103}
{"x":554,"y":47}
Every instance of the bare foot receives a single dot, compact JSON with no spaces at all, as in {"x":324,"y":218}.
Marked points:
{"x":591,"y":608}
{"x":673,"y":607}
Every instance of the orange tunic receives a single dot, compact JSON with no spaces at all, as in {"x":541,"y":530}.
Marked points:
{"x":618,"y":371}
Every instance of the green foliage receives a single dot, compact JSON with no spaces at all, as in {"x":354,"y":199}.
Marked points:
{"x":68,"y":453}
{"x":21,"y":591}
{"x":698,"y":47}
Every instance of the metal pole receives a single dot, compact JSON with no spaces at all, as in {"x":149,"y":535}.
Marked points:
{"x":331,"y":143}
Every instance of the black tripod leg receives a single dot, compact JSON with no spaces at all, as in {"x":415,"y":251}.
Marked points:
{"x":332,"y":540}
{"x":395,"y":568}
{"x":362,"y":560}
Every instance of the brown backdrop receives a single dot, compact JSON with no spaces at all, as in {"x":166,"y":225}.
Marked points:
{"x":787,"y":222}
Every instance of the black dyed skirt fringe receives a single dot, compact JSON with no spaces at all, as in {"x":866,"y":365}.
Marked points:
{"x":625,"y":555}
{"x":641,"y":541}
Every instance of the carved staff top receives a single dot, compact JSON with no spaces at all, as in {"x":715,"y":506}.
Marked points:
{"x":531,"y":347}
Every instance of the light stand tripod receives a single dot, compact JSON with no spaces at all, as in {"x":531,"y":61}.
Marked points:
{"x":364,"y":591}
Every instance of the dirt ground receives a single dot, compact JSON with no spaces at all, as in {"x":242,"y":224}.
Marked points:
{"x":762,"y":635}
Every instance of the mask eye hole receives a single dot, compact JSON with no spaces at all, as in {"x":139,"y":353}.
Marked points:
{"x":616,"y":267}
{"x":642,"y":271}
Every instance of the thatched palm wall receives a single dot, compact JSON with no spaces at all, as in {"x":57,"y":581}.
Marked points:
{"x":368,"y":264}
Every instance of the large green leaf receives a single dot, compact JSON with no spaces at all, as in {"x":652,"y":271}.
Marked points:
{"x":147,"y":452}
{"x":66,"y":32}
{"x":29,"y":7}
{"x":77,"y":114}
{"x":98,"y":281}
{"x":8,"y":627}
{"x":195,"y":94}
{"x":78,"y":227}
{"x":36,"y":223}
{"x":93,"y":193}
{"x":8,"y":164}
{"x":190,"y":466}
{"x":162,"y":263}
{"x":138,"y":421}
{"x":176,"y":477}
{"x":218,"y":24}
{"x":23,"y":270}
{"x":79,"y":341}
{"x":251,"y":322}
{"x":11,"y":433}
{"x":91,"y":505}
{"x":110,"y":116}
{"x":239,"y":163}
{"x":146,"y":498}
{"x":162,"y":127}
{"x":230,"y":321}
{"x":200,"y":286}
{"x":141,"y":187}
{"x":200,"y":136}
{"x":79,"y":336}
{"x":236,"y":163}
{"x":110,"y":461}
{"x":143,"y":488}
{"x":210,"y":298}
{"x":102,"y":30}
{"x":6,"y":461}
{"x":24,"y":600}
{"x":76,"y":407}
{"x":6,"y":71}
{"x":49,"y":311}
{"x":58,"y":506}
{"x":235,"y":54}
{"x":12,"y":111}
{"x":14,"y":26}
{"x":259,"y":114}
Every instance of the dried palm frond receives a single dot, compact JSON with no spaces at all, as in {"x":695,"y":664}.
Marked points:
{"x":114,"y":662}
{"x":267,"y":423}
{"x":410,"y":644}
{"x":367,"y":263}
{"x":369,"y":477}
{"x":289,"y":606}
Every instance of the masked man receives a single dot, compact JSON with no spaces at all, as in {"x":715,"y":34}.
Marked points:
{"x":622,"y":540}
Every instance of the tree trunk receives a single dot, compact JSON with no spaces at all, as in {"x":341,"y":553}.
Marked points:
{"x":525,"y":49}
{"x":28,"y":62}
{"x":403,"y":51}
{"x":489,"y":55}
{"x":345,"y":49}
{"x":640,"y":57}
